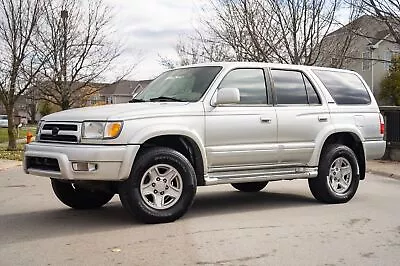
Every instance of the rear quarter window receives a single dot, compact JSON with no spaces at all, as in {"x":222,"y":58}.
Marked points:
{"x":345,"y":88}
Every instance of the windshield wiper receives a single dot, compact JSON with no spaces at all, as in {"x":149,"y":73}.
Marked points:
{"x":165,"y":99}
{"x":133,"y":100}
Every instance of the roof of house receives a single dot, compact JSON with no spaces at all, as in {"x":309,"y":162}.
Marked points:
{"x":380,"y":35}
{"x":368,"y":26}
{"x":125,"y":87}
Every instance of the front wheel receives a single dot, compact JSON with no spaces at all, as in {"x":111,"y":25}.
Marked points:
{"x":78,"y":197}
{"x":161,"y":187}
{"x":338,"y":177}
{"x":250,"y":187}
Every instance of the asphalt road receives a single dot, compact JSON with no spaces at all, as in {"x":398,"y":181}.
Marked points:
{"x":282,"y":225}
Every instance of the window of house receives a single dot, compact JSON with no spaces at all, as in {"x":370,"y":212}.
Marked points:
{"x":109,"y":100}
{"x":292,"y":87}
{"x":345,"y":87}
{"x":388,"y":59}
{"x":251,"y":85}
{"x":366,"y":61}
{"x":334,"y":62}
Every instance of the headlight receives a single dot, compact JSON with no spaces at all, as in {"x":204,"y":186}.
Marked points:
{"x":101,"y":130}
{"x":39,"y":126}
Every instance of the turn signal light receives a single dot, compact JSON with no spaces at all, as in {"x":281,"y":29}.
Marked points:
{"x":114,"y":129}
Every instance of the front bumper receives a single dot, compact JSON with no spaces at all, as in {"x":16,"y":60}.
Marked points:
{"x":113,"y":163}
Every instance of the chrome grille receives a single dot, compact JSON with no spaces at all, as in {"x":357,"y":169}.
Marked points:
{"x":60,"y":132}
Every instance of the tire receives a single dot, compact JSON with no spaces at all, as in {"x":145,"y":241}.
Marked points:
{"x":331,"y":185}
{"x":250,"y":187}
{"x":79,"y":198}
{"x":161,"y":186}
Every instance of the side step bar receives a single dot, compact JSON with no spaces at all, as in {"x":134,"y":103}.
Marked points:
{"x":259,"y":175}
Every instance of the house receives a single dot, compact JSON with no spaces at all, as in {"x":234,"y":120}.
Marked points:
{"x":119,"y":92}
{"x":21,"y":111}
{"x":103,"y":93}
{"x":365,"y":46}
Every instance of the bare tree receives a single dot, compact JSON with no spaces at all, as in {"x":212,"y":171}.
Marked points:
{"x":337,"y":48}
{"x":32,"y":96}
{"x":75,"y":39}
{"x":287,"y":31}
{"x":387,"y":11}
{"x":19,"y":64}
{"x":197,"y":49}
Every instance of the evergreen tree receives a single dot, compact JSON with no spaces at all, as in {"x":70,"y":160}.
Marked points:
{"x":390,"y":86}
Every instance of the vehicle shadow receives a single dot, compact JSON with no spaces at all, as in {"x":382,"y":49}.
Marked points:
{"x":27,"y":226}
{"x":34,"y":225}
{"x":234,"y":201}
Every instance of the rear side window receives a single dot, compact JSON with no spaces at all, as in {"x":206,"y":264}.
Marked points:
{"x":292,"y":87}
{"x":345,"y":88}
{"x":312,"y":95}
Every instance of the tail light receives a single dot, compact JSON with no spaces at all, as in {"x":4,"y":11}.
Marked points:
{"x":382,"y":124}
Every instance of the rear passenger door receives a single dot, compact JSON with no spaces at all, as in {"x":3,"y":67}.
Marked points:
{"x":301,"y":115}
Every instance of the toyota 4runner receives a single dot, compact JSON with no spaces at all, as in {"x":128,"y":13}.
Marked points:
{"x":244,"y":124}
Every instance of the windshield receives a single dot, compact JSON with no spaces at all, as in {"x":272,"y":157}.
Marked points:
{"x":185,"y":84}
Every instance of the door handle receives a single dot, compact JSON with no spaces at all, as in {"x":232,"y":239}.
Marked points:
{"x":265,"y":120}
{"x":322,"y":119}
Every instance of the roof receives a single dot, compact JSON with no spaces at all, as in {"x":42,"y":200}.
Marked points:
{"x":231,"y":65}
{"x":366,"y":25}
{"x":125,"y":87}
{"x":379,"y":36}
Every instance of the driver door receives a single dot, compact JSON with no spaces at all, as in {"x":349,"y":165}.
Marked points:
{"x":242,"y":134}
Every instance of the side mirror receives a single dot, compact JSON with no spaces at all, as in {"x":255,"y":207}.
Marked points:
{"x":227,"y":96}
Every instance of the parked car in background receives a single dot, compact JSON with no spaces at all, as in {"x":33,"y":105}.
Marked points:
{"x":3,"y":121}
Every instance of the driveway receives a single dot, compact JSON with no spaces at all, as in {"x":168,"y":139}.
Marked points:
{"x":282,"y":225}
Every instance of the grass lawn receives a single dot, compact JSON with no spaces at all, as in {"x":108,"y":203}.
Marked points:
{"x":19,"y":153}
{"x":22,"y":133}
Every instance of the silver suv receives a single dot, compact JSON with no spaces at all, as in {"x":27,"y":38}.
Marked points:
{"x":243,"y":124}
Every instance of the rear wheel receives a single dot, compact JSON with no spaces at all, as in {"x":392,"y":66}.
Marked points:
{"x":77,"y":197}
{"x":161,"y":187}
{"x":250,"y":187}
{"x":338,"y":177}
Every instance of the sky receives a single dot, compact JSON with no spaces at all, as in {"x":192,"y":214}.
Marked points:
{"x":149,"y":29}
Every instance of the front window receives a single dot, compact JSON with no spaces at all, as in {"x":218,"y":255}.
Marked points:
{"x":185,"y":84}
{"x":251,"y":85}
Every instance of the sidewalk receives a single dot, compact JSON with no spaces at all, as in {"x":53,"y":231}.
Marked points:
{"x":6,"y":164}
{"x":385,"y":168}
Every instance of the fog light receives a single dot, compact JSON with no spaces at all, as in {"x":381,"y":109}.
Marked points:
{"x":87,"y":167}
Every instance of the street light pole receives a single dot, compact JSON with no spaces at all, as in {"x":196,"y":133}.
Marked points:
{"x":373,"y":48}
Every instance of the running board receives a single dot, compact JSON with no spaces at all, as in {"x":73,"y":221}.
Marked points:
{"x":244,"y":176}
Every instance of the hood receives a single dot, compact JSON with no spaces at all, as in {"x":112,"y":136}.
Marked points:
{"x":118,"y":111}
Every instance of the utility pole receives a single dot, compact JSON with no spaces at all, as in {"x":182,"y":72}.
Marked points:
{"x":64,"y":17}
